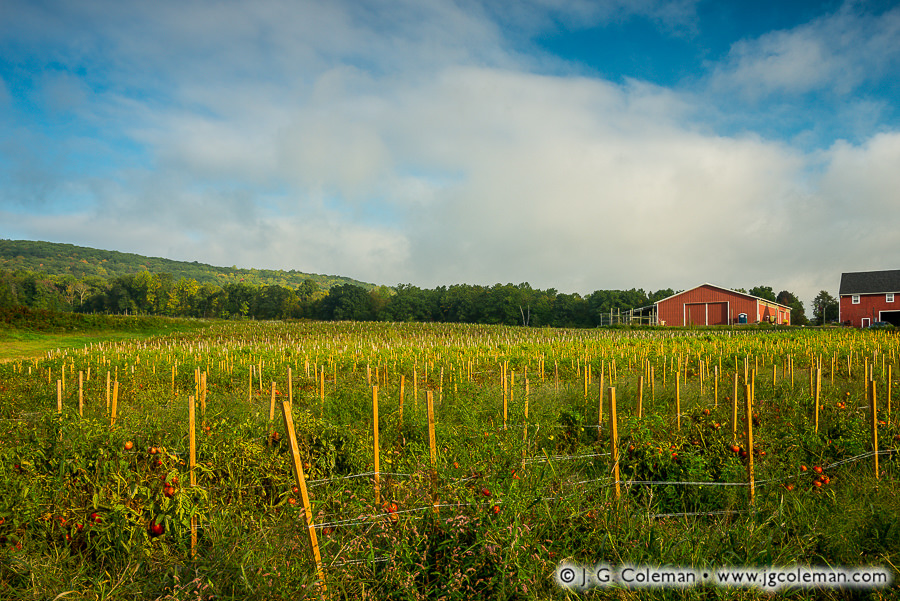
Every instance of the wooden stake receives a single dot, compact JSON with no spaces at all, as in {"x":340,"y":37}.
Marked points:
{"x":402,"y":384}
{"x":556,"y":375}
{"x":59,"y":396}
{"x":702,"y":365}
{"x":750,"y":476}
{"x":600,"y":407}
{"x":640,"y":397}
{"x":734,"y":409}
{"x":678,"y":399}
{"x":203,"y":397}
{"x":432,"y":445}
{"x":81,"y":394}
{"x":192,"y":464}
{"x":512,"y":390}
{"x":300,"y":478}
{"x":375,"y":446}
{"x":272,"y":406}
{"x":817,"y":388}
{"x":115,"y":403}
{"x":874,"y":409}
{"x":614,"y":440}
{"x":192,"y":440}
{"x":716,"y":387}
{"x":505,"y":401}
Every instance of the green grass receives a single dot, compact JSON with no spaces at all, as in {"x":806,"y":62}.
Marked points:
{"x":15,"y":345}
{"x":557,"y":504}
{"x":28,"y":333}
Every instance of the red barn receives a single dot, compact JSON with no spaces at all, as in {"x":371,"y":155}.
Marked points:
{"x":708,"y":305}
{"x":869,"y":296}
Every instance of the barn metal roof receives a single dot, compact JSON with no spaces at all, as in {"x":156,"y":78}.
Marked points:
{"x":870,"y":282}
{"x":765,"y":300}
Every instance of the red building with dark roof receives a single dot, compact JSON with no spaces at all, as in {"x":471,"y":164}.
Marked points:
{"x":708,"y":305}
{"x":870,"y":296}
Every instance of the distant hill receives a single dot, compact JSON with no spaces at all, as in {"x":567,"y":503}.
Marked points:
{"x":55,"y":258}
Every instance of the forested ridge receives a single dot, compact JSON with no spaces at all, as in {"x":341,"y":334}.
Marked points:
{"x":82,"y":262}
{"x":48,"y":278}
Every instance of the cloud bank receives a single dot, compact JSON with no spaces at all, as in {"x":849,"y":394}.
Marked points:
{"x":418,"y":142}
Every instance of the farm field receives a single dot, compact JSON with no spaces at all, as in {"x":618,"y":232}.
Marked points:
{"x":109,"y":490}
{"x":27,"y":344}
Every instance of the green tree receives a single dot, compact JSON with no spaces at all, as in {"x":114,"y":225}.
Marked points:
{"x":798,"y":312}
{"x":211,"y":301}
{"x":239,"y":299}
{"x":569,"y":311}
{"x":7,"y":290}
{"x":183,"y":297}
{"x":347,"y":303}
{"x":118,"y":298}
{"x":274,"y":302}
{"x":308,"y":290}
{"x":765,"y":292}
{"x":409,"y":303}
{"x":380,"y":296}
{"x":825,"y":308}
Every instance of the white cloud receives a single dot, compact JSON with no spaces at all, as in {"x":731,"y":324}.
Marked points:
{"x":408,"y":143}
{"x":836,"y":53}
{"x":537,"y":15}
{"x":860,"y":188}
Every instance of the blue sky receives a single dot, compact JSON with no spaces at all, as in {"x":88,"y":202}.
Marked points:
{"x":578,"y":145}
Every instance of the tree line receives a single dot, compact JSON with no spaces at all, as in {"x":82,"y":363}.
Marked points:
{"x":144,"y":293}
